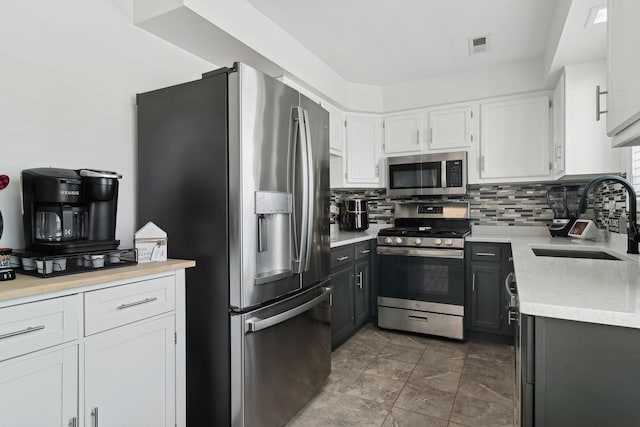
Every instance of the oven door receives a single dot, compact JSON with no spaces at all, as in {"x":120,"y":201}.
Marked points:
{"x":428,"y":275}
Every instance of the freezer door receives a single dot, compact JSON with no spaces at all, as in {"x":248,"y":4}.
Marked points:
{"x":317,"y":122}
{"x":262,"y":188}
{"x":286,"y":357}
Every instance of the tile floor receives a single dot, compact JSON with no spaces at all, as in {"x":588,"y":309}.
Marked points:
{"x":383,"y":378}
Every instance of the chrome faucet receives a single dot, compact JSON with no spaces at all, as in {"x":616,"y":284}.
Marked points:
{"x":632,"y":231}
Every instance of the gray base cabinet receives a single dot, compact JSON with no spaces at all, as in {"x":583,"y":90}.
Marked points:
{"x":351,"y":280}
{"x":488,"y":265}
{"x":579,"y":374}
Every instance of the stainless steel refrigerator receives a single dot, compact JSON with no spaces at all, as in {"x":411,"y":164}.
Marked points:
{"x":235,"y":168}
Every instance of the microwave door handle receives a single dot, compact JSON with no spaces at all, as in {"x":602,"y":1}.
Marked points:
{"x":310,"y":192}
{"x":300,"y":230}
{"x":443,"y":172}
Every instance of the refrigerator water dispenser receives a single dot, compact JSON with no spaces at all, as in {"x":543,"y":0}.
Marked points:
{"x":273,"y":214}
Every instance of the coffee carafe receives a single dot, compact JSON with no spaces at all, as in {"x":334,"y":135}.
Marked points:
{"x":69,"y":211}
{"x":563,"y":201}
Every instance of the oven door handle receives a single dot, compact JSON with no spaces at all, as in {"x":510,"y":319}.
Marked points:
{"x":423,"y":253}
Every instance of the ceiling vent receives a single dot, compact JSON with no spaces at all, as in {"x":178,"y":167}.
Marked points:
{"x":478,"y":44}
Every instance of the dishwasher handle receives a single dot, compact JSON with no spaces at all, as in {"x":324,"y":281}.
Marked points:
{"x":255,"y":324}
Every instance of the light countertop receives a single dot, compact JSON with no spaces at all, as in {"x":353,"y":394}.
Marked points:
{"x":342,"y":238}
{"x":587,"y":290}
{"x":27,"y":286}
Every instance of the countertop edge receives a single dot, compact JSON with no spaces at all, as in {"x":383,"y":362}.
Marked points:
{"x":29,"y":286}
{"x":352,"y":240}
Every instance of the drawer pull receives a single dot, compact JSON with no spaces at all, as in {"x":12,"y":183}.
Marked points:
{"x":132,"y":304}
{"x":24,"y":331}
{"x":485,"y":254}
{"x":342,"y":258}
{"x":420,"y":318}
{"x":366,"y":251}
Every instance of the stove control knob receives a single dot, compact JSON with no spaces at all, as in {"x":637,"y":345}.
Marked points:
{"x":418,"y":241}
{"x":388,"y":240}
{"x":448,"y":242}
{"x":437,"y":242}
{"x":398,"y":240}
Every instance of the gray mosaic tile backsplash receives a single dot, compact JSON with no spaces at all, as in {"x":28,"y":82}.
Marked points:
{"x":507,"y":204}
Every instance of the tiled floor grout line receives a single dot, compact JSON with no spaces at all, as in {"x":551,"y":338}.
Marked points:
{"x":455,"y":396}
{"x":405,"y":383}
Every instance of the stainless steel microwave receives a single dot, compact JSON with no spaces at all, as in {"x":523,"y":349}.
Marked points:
{"x":427,"y":174}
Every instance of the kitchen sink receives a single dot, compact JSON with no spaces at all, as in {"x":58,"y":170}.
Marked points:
{"x":575,"y":253}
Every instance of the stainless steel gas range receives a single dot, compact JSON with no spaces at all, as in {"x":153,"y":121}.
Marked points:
{"x":421,"y":261}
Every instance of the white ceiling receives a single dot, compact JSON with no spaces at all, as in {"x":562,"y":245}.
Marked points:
{"x":385,"y":42}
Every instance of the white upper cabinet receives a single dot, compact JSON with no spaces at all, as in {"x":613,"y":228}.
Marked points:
{"x":587,"y":149}
{"x":448,"y":128}
{"x":514,"y":139}
{"x":336,"y":129}
{"x":623,"y":77}
{"x":402,"y":133}
{"x":362,"y":145}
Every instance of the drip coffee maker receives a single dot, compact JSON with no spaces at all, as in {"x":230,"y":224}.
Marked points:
{"x":69,"y":211}
{"x":563,"y":201}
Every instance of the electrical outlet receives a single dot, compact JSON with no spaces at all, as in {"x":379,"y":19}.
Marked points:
{"x":614,"y":222}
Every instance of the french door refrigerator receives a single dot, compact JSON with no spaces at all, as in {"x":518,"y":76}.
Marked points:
{"x":235,"y":168}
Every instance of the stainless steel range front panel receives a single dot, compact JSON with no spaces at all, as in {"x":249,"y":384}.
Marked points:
{"x":423,"y":322}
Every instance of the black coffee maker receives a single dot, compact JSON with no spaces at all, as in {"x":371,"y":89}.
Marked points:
{"x":69,"y":211}
{"x":563,"y":201}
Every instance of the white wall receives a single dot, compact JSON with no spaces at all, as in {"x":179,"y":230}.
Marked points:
{"x":504,"y":79}
{"x":70,"y":71}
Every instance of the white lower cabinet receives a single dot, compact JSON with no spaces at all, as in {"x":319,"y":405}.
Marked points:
{"x":126,"y":370}
{"x":130,"y":376}
{"x":40,"y":389}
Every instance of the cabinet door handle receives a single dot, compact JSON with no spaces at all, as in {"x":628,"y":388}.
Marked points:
{"x":485,"y":254}
{"x":359,"y":282}
{"x":365,"y":251}
{"x":94,"y":414}
{"x":73,"y":422}
{"x":342,"y":258}
{"x":473,"y":283}
{"x":598,"y":94}
{"x":21,"y":332}
{"x":132,"y":304}
{"x":417,"y":136}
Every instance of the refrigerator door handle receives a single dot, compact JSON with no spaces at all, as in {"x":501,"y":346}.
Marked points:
{"x":310,"y":192}
{"x":300,"y":142}
{"x":254,"y":324}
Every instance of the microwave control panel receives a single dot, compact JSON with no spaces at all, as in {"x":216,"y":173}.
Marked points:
{"x":454,"y":173}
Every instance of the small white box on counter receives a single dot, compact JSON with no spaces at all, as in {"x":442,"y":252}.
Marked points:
{"x":151,"y":243}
